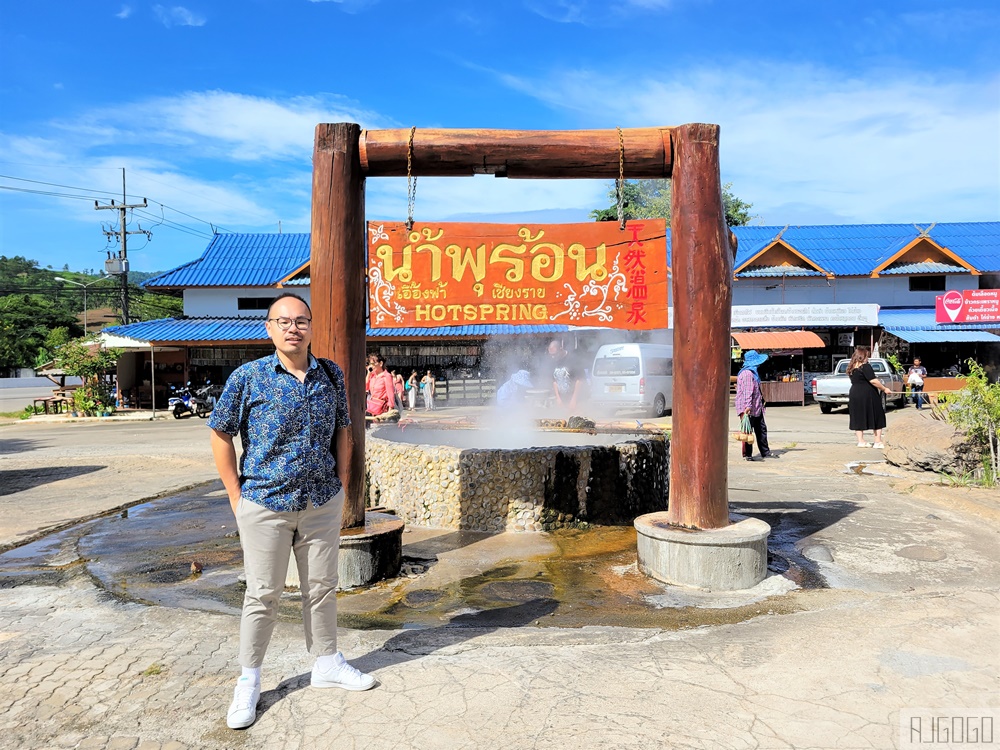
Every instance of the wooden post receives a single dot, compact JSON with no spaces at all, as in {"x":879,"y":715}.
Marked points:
{"x":702,"y":266}
{"x":338,"y":287}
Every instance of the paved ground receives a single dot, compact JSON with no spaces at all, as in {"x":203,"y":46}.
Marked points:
{"x":15,"y":399}
{"x":54,"y":471}
{"x":905,"y":621}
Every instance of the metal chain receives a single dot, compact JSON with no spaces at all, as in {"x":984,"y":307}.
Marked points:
{"x":620,"y":182}
{"x":411,"y":182}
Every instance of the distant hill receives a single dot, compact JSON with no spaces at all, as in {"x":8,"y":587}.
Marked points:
{"x":137,"y":277}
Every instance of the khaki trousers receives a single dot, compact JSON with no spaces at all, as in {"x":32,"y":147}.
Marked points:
{"x":267,"y":538}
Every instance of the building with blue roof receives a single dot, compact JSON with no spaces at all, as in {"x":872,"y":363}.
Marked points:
{"x":895,"y":271}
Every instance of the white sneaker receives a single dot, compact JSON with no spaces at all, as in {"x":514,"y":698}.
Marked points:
{"x":341,"y":675}
{"x":243,"y":710}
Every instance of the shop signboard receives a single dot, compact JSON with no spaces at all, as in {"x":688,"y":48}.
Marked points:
{"x":968,"y":306}
{"x":805,"y":316}
{"x":448,"y":274}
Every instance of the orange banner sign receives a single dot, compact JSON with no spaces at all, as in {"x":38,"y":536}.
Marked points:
{"x":444,"y":274}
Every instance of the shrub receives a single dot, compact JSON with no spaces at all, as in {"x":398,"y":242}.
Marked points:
{"x":976,"y":410}
{"x":87,"y":360}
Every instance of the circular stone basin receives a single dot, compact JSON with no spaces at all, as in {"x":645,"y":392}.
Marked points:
{"x":504,"y":480}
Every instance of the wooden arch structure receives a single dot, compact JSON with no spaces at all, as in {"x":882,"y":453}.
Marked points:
{"x":702,"y":266}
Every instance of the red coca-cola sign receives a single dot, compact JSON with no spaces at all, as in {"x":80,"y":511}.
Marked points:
{"x":968,"y":306}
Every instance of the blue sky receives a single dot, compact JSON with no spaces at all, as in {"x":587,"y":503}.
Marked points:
{"x":844,"y":112}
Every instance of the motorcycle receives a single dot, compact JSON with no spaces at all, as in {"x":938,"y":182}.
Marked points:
{"x":199,"y":403}
{"x":180,"y":403}
{"x":203,"y":400}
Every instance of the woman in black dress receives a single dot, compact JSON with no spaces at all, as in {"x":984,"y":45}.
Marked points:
{"x":864,"y":399}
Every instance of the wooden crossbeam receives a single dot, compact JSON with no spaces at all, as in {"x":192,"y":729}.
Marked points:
{"x":518,"y":153}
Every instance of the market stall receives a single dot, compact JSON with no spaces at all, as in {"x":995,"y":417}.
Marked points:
{"x":781,"y":385}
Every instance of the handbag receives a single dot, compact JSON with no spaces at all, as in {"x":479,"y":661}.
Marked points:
{"x":374,"y":406}
{"x":745,"y":434}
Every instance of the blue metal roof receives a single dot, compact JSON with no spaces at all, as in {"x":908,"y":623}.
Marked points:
{"x":926,"y":267}
{"x":941,"y":337}
{"x":194,"y":329}
{"x":922,"y":319}
{"x":977,"y":243}
{"x":857,"y":249}
{"x":221,"y":330}
{"x":240,"y":260}
{"x":755,"y":271}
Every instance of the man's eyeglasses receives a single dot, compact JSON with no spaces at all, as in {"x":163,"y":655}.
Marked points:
{"x":285,"y":323}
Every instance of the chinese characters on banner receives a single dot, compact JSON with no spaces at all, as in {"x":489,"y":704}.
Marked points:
{"x":968,"y":306}
{"x":447,"y":274}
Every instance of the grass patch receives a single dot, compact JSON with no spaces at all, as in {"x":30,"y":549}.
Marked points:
{"x":967,"y":479}
{"x":152,"y":670}
{"x":26,"y":413}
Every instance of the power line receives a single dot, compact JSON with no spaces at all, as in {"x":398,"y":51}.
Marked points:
{"x":46,"y":192}
{"x":55,"y":184}
{"x":177,"y":210}
{"x":91,"y":191}
{"x":161,"y":220}
{"x":171,"y":224}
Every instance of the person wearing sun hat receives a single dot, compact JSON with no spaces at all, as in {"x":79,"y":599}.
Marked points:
{"x":750,"y":400}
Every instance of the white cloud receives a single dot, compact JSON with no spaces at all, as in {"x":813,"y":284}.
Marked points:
{"x":481,"y":196}
{"x":222,"y":124}
{"x":593,"y":13}
{"x":177,"y":15}
{"x":125,"y":12}
{"x":892,"y":147}
{"x":222,"y":201}
{"x":649,"y":4}
{"x":350,"y":6}
{"x":560,"y":11}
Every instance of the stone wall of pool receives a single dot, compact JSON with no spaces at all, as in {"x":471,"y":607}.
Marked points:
{"x":426,"y":481}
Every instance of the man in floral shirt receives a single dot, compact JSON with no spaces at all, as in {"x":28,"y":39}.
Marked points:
{"x":287,"y":494}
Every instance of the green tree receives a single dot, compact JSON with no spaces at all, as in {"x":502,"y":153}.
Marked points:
{"x":25,"y":322}
{"x":153,"y":305}
{"x":976,"y":409}
{"x":650,"y":199}
{"x":85,"y":359}
{"x":55,"y":339}
{"x":33,"y":304}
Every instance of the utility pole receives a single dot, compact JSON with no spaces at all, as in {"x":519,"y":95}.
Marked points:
{"x":117,"y":265}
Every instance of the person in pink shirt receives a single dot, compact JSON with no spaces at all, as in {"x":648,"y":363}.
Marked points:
{"x":379,"y":386}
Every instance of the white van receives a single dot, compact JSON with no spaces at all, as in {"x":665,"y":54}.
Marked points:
{"x":634,"y":376}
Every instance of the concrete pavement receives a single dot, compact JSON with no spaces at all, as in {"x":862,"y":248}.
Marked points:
{"x":898,"y":619}
{"x":56,"y":471}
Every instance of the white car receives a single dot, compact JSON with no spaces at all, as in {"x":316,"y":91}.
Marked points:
{"x":633,"y":376}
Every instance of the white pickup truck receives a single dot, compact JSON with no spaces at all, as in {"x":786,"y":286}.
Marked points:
{"x":832,"y":390}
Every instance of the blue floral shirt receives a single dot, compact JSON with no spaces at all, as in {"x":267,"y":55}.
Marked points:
{"x":286,"y":428}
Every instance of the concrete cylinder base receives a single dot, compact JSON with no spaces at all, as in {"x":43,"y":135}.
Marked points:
{"x":726,"y":559}
{"x":367,"y":554}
